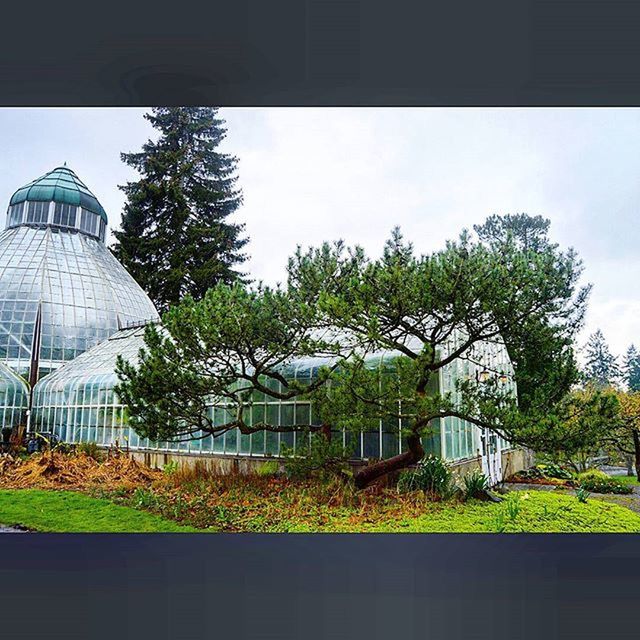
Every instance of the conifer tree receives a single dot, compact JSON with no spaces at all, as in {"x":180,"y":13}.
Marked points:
{"x":631,"y":368}
{"x":601,"y":367}
{"x":176,"y":238}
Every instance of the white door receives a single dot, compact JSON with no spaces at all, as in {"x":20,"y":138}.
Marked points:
{"x":491,"y":456}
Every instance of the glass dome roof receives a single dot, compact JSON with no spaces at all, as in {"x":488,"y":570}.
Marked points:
{"x":61,"y":289}
{"x":60,"y":185}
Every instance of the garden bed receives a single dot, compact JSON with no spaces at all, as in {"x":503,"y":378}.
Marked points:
{"x":120,"y":495}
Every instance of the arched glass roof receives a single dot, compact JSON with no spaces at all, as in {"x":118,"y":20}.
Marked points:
{"x":78,"y":403}
{"x":14,"y":398}
{"x":59,"y":185}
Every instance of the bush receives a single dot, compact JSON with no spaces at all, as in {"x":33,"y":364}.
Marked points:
{"x":553,"y":470}
{"x":431,"y":475}
{"x":475,"y":484}
{"x":599,"y":482}
{"x":593,"y":474}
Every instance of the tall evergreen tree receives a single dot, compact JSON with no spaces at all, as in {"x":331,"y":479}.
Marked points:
{"x":601,"y":366}
{"x":176,"y":239}
{"x":631,"y":368}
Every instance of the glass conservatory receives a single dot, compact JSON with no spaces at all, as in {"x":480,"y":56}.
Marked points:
{"x":61,"y":289}
{"x":14,"y":398}
{"x":78,"y":403}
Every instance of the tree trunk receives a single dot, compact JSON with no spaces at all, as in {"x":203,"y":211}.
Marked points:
{"x":629,"y":460}
{"x":636,"y":448}
{"x":325,"y":430}
{"x":378,"y":469}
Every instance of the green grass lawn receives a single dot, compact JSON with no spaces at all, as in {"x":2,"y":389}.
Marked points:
{"x":67,"y":511}
{"x":630,"y":480}
{"x":531,"y":512}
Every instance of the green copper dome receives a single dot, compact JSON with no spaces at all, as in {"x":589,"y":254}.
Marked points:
{"x":60,"y":185}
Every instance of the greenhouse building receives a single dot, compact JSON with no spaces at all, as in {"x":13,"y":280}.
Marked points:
{"x":79,"y":404}
{"x":61,"y":289}
{"x":68,"y":309}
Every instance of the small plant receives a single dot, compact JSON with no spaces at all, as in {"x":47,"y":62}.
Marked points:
{"x":508,"y":512}
{"x":475,"y":484}
{"x":170,"y":468}
{"x":582,"y":494}
{"x":144,"y":498}
{"x":499,"y":521}
{"x":549,"y":470}
{"x":553,"y":470}
{"x":512,"y":507}
{"x":268,"y":468}
{"x":431,"y":475}
{"x":63,"y":447}
{"x":89,"y":449}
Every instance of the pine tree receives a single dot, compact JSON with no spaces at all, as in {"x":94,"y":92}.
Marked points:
{"x":175,"y":238}
{"x":631,"y":368}
{"x":601,"y":366}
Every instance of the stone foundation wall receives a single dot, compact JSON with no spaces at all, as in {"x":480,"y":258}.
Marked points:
{"x":512,"y":460}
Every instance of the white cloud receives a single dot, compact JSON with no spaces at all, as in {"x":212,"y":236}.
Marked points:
{"x":310,"y":175}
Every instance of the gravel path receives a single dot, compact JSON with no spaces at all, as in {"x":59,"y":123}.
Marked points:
{"x":4,"y":529}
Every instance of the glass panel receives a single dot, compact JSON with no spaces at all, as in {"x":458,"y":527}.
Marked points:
{"x":38,"y":212}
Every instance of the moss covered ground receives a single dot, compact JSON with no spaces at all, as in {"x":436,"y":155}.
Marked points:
{"x":277,"y":505}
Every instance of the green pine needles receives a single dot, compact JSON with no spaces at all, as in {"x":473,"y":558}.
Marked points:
{"x":240,"y":344}
{"x":176,"y":239}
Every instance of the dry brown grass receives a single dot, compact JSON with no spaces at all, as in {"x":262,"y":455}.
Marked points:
{"x":54,"y":470}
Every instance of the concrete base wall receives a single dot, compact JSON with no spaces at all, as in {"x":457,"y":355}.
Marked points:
{"x":513,"y":460}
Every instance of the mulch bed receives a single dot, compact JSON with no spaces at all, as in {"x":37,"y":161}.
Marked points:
{"x":53,"y":470}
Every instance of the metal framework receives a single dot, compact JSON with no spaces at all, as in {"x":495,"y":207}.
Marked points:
{"x":78,"y":403}
{"x":57,"y":269}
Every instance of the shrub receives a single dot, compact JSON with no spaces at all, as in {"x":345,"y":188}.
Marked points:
{"x":599,"y":482}
{"x":551,"y":473}
{"x":546,"y":470}
{"x":593,"y":474}
{"x":431,"y":475}
{"x":553,"y":470}
{"x":90,"y":449}
{"x":475,"y":484}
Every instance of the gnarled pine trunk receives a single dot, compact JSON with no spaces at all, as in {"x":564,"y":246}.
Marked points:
{"x":376,"y":470}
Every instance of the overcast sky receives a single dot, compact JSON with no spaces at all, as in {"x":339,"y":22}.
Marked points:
{"x":310,"y":175}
